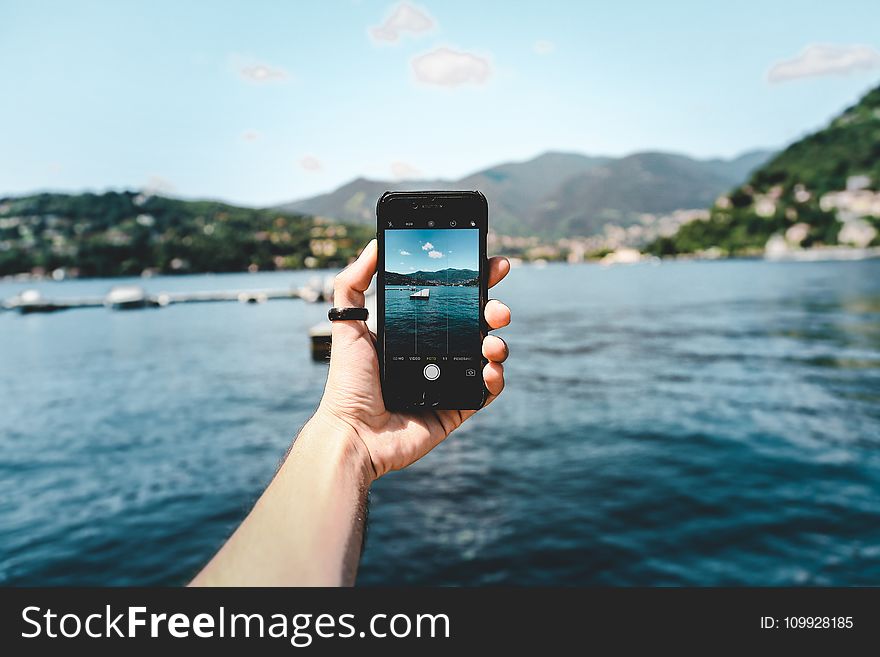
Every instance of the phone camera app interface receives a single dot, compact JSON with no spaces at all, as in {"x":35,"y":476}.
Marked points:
{"x":432,"y":306}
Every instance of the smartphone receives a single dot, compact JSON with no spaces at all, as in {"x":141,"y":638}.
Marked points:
{"x":431,"y":292}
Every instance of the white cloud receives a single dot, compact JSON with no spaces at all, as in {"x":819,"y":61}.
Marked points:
{"x":427,"y":246}
{"x":403,"y":19}
{"x":435,"y":254}
{"x":543,"y":47}
{"x":250,"y":135}
{"x":159,"y":185}
{"x":820,"y":59}
{"x":403,"y":170}
{"x":402,"y":252}
{"x":311,"y":163}
{"x":260,"y":73}
{"x":451,"y":68}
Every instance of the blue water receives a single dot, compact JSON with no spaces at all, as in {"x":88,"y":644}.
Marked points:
{"x":447,"y":322}
{"x":687,"y":423}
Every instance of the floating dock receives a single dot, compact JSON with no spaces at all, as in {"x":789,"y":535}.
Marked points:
{"x":133,"y":297}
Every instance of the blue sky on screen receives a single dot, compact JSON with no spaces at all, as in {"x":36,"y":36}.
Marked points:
{"x":261,"y":101}
{"x":431,"y":250}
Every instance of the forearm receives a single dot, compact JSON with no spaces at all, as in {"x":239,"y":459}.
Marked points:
{"x":307,"y":527}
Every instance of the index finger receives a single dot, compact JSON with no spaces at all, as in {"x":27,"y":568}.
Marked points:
{"x":499,"y":267}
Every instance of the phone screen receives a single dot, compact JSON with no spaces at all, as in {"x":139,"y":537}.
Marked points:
{"x":432,"y":304}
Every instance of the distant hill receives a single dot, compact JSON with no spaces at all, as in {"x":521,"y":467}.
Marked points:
{"x":126,"y":233}
{"x":561,"y":194}
{"x":442,"y":277}
{"x":619,"y":190}
{"x":804,"y":195}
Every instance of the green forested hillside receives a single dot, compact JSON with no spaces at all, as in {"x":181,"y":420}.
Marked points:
{"x":788,"y":190}
{"x":125,"y":233}
{"x":823,"y":161}
{"x":442,"y":277}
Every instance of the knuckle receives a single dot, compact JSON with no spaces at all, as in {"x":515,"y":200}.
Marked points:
{"x":341,"y":279}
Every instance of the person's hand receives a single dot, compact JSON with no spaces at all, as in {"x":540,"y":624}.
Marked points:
{"x":353,"y":396}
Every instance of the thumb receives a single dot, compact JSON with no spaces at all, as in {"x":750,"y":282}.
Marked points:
{"x":351,"y":283}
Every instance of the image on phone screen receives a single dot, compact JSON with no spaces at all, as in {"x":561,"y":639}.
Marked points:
{"x":432,"y":310}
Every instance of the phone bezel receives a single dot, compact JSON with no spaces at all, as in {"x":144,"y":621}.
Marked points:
{"x":441,"y":206}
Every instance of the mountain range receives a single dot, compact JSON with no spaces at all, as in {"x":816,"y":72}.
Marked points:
{"x":561,"y":194}
{"x":443,"y":277}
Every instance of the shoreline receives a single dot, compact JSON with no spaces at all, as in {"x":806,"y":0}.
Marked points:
{"x":818,"y":254}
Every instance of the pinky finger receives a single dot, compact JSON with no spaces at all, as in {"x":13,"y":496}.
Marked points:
{"x":493,"y":375}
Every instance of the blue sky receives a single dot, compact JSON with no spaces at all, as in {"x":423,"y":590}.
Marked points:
{"x":431,"y":250}
{"x":261,"y":102}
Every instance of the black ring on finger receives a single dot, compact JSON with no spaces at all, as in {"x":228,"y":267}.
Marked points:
{"x":343,"y":314}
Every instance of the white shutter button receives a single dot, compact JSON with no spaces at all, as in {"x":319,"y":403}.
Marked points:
{"x":432,"y":372}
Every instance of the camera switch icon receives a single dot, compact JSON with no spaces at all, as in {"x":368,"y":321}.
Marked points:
{"x":470,"y":372}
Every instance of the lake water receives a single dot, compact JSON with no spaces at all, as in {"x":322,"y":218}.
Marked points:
{"x":687,"y":423}
{"x":447,"y":322}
